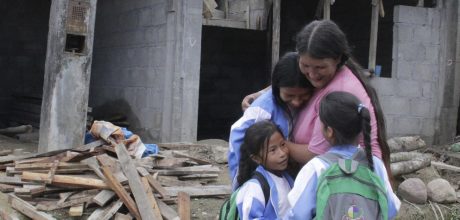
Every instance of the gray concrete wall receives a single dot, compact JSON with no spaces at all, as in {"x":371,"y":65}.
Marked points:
{"x":24,"y":31}
{"x":412,"y":98}
{"x":146,"y":66}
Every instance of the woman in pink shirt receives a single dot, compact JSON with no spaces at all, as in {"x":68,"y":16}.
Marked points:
{"x":325,"y":60}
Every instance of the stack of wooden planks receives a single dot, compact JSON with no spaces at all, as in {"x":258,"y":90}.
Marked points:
{"x":101,"y":181}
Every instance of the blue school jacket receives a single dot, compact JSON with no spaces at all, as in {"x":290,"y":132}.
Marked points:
{"x":250,"y":199}
{"x":263,"y":108}
{"x":302,"y":197}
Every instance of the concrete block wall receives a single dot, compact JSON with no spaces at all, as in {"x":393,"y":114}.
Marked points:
{"x":146,"y":66}
{"x":409,"y":97}
{"x":129,"y":63}
{"x":23,"y":40}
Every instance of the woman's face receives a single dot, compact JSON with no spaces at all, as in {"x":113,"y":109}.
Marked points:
{"x":318,"y":71}
{"x":295,"y":97}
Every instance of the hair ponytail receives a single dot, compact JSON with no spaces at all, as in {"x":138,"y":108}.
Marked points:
{"x":366,"y":126}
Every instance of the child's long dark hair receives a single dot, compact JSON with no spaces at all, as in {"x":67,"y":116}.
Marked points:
{"x":255,"y":140}
{"x":287,"y":74}
{"x":347,"y":117}
{"x":324,"y":39}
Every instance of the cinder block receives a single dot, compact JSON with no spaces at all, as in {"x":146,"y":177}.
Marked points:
{"x":157,"y":56}
{"x":432,"y":54}
{"x":409,"y":88}
{"x":403,"y":69}
{"x":383,"y":86}
{"x":128,"y":20}
{"x":407,"y":125}
{"x":422,"y":107}
{"x":404,"y":32}
{"x":408,"y":14}
{"x":145,"y":17}
{"x":424,"y":72}
{"x":411,"y":52}
{"x":422,"y":33}
{"x":393,"y":105}
{"x":159,"y":14}
{"x":434,"y":17}
{"x":428,"y":89}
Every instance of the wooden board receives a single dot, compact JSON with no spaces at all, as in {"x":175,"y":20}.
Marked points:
{"x":154,"y":183}
{"x":64,"y":180}
{"x":121,"y":192}
{"x":156,"y":209}
{"x":183,"y":205}
{"x":127,"y":165}
{"x":106,"y":213}
{"x":76,"y":210}
{"x":27,"y":209}
{"x":103,"y":197}
{"x":199,"y":191}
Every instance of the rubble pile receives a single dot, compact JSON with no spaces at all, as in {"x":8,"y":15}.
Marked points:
{"x":102,"y":180}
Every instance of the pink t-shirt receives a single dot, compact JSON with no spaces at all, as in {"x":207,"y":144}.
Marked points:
{"x":308,"y":125}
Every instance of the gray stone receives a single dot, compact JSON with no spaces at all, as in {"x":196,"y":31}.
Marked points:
{"x":413,"y":190}
{"x":440,"y":191}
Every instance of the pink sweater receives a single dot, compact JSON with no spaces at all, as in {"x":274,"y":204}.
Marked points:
{"x":308,"y":125}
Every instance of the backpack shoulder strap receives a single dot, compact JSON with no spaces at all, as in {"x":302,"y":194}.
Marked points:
{"x":264,"y":184}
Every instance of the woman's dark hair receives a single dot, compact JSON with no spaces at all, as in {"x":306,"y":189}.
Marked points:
{"x":324,"y":39}
{"x":347,"y":117}
{"x":287,"y":74}
{"x":255,"y":140}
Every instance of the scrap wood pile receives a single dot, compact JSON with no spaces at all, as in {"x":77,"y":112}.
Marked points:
{"x":102,"y":180}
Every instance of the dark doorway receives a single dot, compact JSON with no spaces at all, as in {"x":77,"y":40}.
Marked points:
{"x":23,"y":45}
{"x":234,"y":63}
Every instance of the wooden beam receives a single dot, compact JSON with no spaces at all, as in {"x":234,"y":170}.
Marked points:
{"x":106,"y":213}
{"x":167,"y":212}
{"x":153,"y":182}
{"x":198,"y":160}
{"x":200,"y":191}
{"x":5,"y":188}
{"x":127,"y":165}
{"x":27,"y":209}
{"x":53,"y":205}
{"x":76,"y":210}
{"x":327,"y":10}
{"x":103,"y":197}
{"x":276,"y":32}
{"x":183,"y":205}
{"x":445,"y":166}
{"x":121,"y":192}
{"x":148,"y":191}
{"x":63,"y":180}
{"x":374,"y":34}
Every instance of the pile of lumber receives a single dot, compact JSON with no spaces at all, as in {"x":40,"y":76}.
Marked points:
{"x":101,"y":180}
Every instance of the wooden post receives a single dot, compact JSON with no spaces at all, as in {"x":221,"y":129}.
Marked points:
{"x":374,"y":32}
{"x":183,"y":205}
{"x":327,"y":10}
{"x":276,"y":32}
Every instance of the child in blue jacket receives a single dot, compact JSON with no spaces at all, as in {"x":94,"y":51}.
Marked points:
{"x":263,"y":151}
{"x":290,"y":91}
{"x":343,"y":119}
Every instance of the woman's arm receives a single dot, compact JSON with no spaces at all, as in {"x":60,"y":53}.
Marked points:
{"x":299,"y":152}
{"x":247,"y":101}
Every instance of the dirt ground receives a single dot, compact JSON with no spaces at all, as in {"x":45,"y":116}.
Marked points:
{"x":208,"y":208}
